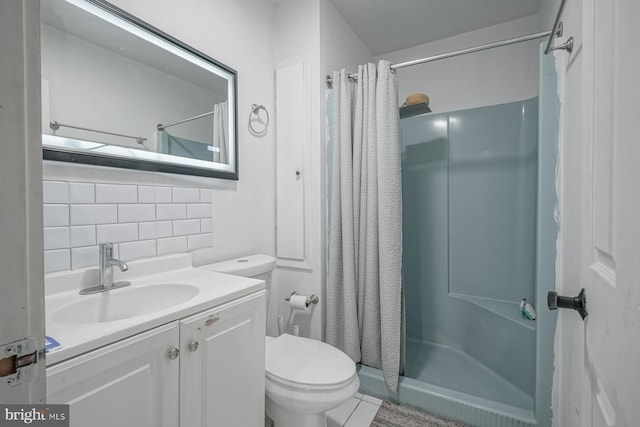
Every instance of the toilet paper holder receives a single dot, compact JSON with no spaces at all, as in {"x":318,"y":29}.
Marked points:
{"x":311,"y":299}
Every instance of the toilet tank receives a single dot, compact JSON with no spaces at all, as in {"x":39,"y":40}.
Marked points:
{"x":255,"y":266}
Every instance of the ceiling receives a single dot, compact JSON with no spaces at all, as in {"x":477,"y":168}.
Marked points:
{"x":390,"y":25}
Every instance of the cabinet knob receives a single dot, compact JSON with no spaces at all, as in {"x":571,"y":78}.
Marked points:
{"x":173,"y":353}
{"x":193,"y":345}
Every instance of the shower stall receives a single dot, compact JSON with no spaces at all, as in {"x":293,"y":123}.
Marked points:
{"x":478,"y":238}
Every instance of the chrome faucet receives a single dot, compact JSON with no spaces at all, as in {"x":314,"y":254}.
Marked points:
{"x":105,"y":271}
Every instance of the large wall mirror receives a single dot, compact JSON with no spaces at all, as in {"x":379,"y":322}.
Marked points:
{"x":118,"y":92}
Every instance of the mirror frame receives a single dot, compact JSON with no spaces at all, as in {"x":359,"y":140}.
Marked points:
{"x":148,"y":165}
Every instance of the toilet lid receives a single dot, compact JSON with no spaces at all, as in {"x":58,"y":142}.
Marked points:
{"x":307,"y":362}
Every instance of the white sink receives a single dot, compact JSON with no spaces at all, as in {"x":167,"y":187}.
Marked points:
{"x":163,"y":289}
{"x":124,"y":303}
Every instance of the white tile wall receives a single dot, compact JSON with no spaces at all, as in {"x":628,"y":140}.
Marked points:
{"x":199,"y":210}
{"x":84,"y":235}
{"x":164,"y":229}
{"x":164,"y":211}
{"x":172,"y":244}
{"x":115,"y":193}
{"x":55,"y":192}
{"x":136,"y":213}
{"x":186,"y":226}
{"x":81,"y":192}
{"x":141,"y":220}
{"x":93,"y":214}
{"x":117,"y":233}
{"x":198,"y":241}
{"x":84,"y":257}
{"x":57,"y":260}
{"x":147,"y":230}
{"x":146,"y":194}
{"x":56,"y":237}
{"x":140,"y":249}
{"x":163,"y":195}
{"x":55,"y":215}
{"x":186,"y":195}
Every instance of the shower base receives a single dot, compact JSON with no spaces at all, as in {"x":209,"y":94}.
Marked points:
{"x":452,"y":384}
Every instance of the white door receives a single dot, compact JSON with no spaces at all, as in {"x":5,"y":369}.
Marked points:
{"x":21,"y":251}
{"x":610,"y":361}
{"x":133,"y":382}
{"x":222,"y":365}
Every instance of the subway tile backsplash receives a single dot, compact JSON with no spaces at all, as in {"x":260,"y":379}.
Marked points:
{"x":141,"y":220}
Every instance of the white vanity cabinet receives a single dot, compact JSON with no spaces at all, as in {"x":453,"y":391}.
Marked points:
{"x":199,"y":371}
{"x":222,"y":365}
{"x":134,"y":382}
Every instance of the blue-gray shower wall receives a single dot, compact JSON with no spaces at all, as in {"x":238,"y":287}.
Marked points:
{"x":469,"y":225}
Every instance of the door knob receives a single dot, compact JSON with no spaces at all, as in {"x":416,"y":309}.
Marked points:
{"x":579,"y":303}
{"x":173,"y":353}
{"x":193,"y":345}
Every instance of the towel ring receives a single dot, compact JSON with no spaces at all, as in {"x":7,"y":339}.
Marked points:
{"x":255,"y":111}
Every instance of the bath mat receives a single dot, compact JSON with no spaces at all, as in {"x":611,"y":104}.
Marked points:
{"x":392,"y":415}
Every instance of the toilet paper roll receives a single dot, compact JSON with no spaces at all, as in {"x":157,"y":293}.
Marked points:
{"x":298,"y":302}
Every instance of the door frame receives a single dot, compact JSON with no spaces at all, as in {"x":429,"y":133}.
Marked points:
{"x":21,"y":232}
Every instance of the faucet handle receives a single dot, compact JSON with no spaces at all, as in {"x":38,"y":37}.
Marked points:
{"x":106,"y":248}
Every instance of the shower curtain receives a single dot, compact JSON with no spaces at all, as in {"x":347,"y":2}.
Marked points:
{"x":365,"y":221}
{"x":221,"y":132}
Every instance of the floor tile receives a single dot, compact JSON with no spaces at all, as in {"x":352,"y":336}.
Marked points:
{"x":372,"y":399}
{"x":358,"y":395}
{"x":336,"y":417}
{"x":363,"y":415}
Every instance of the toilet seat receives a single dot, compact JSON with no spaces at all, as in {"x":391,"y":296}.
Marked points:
{"x":303,"y":363}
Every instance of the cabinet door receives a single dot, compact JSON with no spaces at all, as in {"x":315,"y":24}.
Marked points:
{"x":222,"y":365}
{"x":129,"y":383}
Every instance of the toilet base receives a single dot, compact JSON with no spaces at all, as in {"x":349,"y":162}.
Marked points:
{"x":283,"y":418}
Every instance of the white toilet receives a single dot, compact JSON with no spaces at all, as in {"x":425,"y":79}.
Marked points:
{"x":304,"y":377}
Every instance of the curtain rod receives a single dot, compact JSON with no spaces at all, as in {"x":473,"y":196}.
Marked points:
{"x":460,"y":52}
{"x":55,"y":125}
{"x":160,"y":126}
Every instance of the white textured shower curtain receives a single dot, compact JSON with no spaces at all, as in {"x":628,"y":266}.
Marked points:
{"x":221,"y":132}
{"x":364,"y":297}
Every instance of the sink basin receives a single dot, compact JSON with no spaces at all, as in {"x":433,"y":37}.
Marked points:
{"x":124,"y":303}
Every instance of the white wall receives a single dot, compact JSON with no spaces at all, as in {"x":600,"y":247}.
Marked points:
{"x":547,"y":13}
{"x":239,"y":34}
{"x":93,"y":87}
{"x":340,"y":47}
{"x":297,"y":40}
{"x":490,"y":77}
{"x":314,"y":32}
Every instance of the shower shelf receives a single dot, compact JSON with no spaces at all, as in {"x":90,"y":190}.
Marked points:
{"x":508,"y":309}
{"x":407,"y":111}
